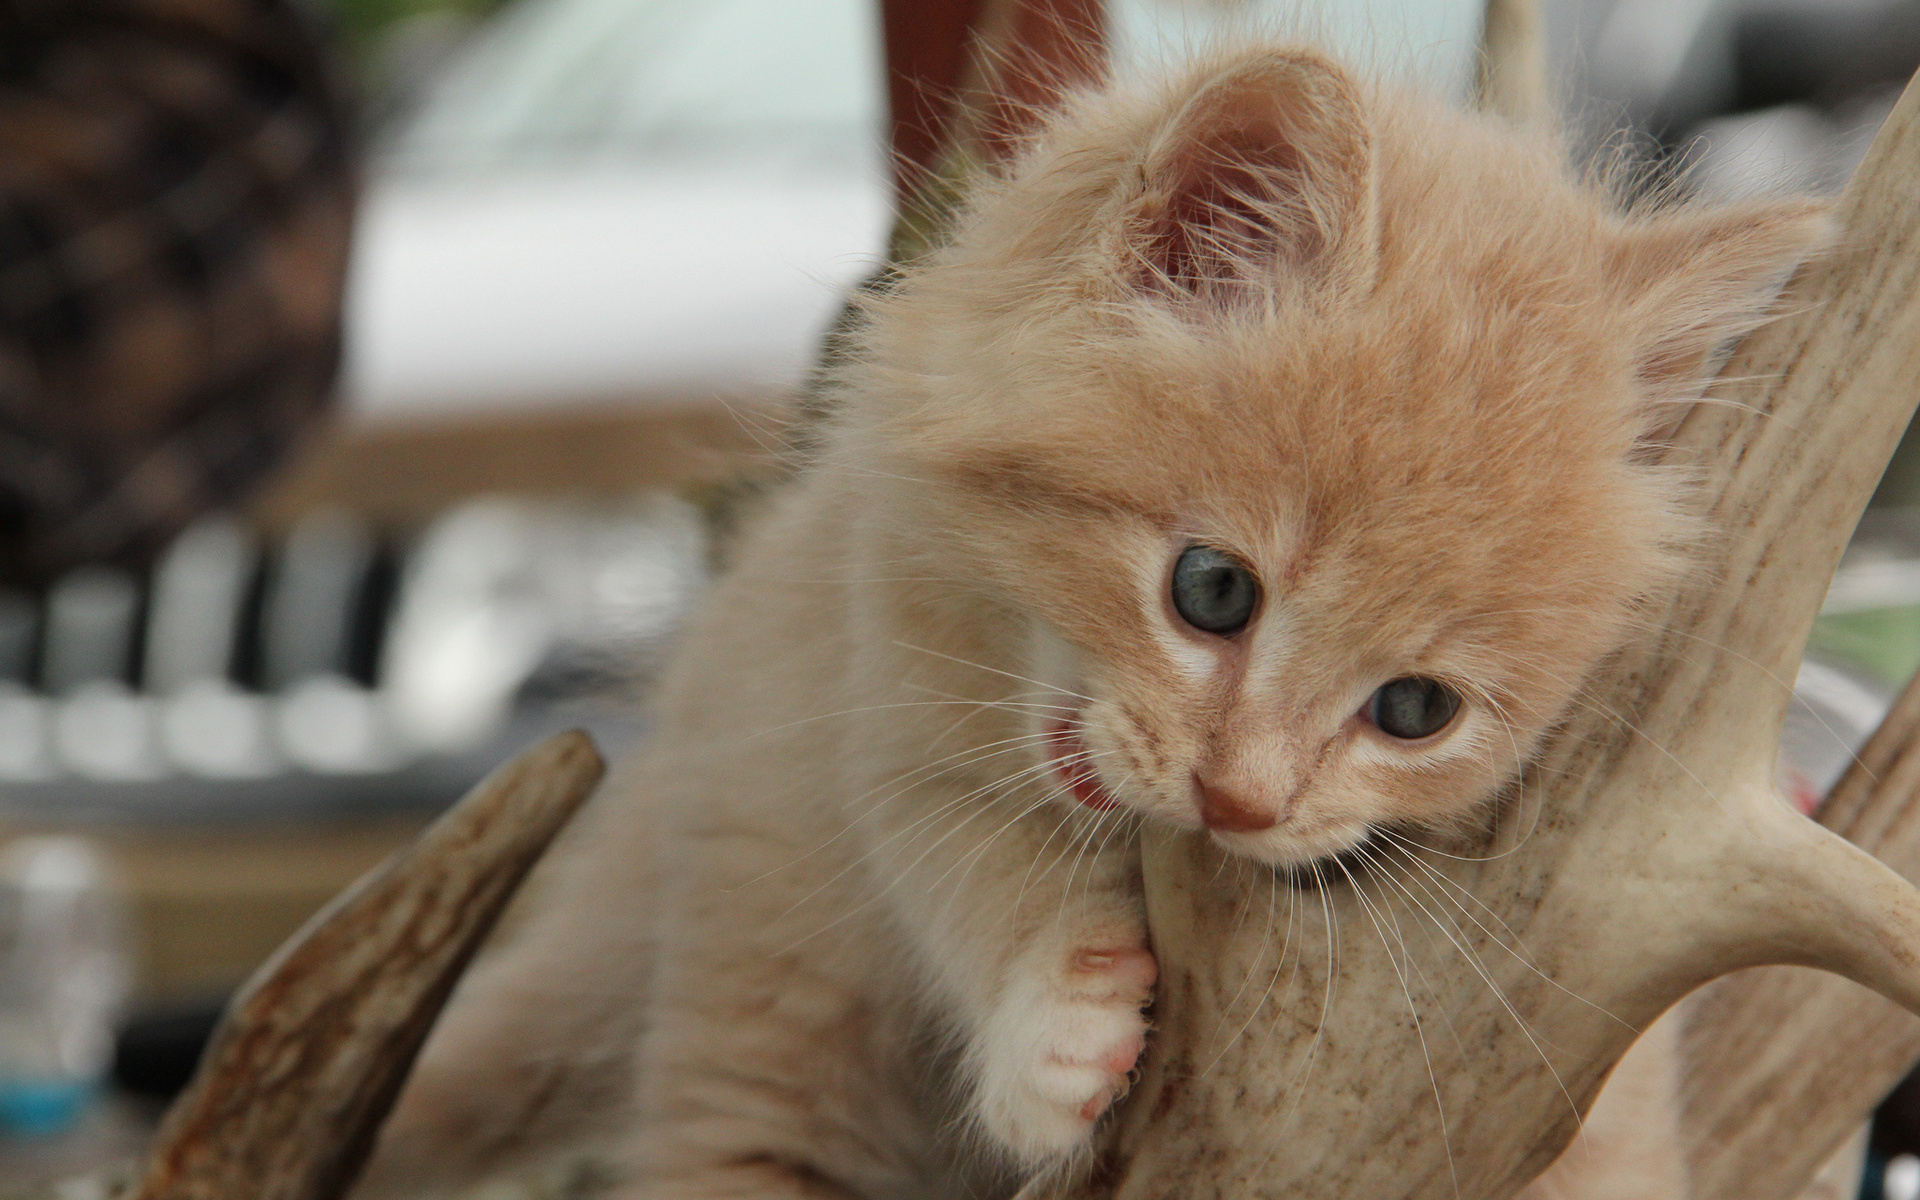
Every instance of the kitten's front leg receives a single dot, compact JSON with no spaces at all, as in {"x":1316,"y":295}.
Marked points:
{"x":1039,"y":940}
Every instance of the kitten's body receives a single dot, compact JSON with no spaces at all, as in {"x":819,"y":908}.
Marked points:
{"x":864,"y":918}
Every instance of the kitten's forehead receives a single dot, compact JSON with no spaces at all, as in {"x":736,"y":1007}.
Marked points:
{"x":1300,"y":429}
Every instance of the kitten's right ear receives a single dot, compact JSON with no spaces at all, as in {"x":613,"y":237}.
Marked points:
{"x":1265,"y":171}
{"x":1694,"y":279}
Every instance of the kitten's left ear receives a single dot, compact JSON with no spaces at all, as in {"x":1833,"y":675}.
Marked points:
{"x":1693,"y":280}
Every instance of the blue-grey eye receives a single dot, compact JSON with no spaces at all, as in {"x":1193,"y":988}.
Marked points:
{"x":1213,"y":591}
{"x":1413,"y":708}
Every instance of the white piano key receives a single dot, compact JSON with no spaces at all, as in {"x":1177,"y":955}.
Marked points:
{"x":199,"y":591}
{"x":334,"y":726}
{"x":474,"y":620}
{"x":212,"y":728}
{"x":25,"y":735}
{"x":103,"y":730}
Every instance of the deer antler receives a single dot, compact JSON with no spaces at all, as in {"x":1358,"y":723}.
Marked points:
{"x":1780,"y":1064}
{"x":313,"y":1050}
{"x":1428,"y":1020}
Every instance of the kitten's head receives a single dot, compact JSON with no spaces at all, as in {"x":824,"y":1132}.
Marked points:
{"x":1306,"y":427}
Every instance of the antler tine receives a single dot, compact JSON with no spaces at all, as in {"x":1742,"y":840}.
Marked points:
{"x":1780,"y":1065}
{"x":314,"y":1049}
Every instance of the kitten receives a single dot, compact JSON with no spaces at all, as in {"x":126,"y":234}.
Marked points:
{"x":1265,"y":456}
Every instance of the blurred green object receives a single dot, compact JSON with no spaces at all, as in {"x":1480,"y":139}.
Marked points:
{"x":364,"y":24}
{"x":393,"y":47}
{"x":1882,"y":642}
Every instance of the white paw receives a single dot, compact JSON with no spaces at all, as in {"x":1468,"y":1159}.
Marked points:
{"x":1057,"y":1052}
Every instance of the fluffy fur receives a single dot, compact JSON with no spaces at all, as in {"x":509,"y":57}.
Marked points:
{"x":863,"y":919}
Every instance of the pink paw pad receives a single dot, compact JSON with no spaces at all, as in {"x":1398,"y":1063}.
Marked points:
{"x":1128,"y":970}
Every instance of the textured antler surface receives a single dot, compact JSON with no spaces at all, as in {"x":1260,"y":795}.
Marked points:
{"x":1779,"y":1063}
{"x":1428,"y":1020}
{"x":313,"y":1050}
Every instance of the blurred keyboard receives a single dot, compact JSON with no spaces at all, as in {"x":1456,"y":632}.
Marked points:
{"x":334,"y":672}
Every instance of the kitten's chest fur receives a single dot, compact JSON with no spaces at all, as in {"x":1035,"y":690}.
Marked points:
{"x":788,"y":812}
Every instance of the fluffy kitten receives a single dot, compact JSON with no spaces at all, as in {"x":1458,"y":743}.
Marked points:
{"x":1264,"y":456}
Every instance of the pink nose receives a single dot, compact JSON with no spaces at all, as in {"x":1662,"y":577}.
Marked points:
{"x":1228,"y":811}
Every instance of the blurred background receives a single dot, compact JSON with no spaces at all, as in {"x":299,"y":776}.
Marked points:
{"x":574,"y":260}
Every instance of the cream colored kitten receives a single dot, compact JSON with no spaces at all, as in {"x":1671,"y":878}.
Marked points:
{"x":1263,"y":457}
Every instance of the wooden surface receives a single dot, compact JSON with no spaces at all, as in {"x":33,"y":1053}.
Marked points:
{"x":1430,"y":1026}
{"x":401,"y":473}
{"x":210,"y":905}
{"x":313,"y":1051}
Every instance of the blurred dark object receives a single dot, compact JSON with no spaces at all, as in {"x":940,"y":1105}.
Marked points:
{"x":157,"y":1051}
{"x":1822,"y":56}
{"x":176,"y":191}
{"x":1896,"y":1123}
{"x":938,"y":96}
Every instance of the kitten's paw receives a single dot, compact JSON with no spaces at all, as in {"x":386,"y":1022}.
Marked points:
{"x":1058,"y":1052}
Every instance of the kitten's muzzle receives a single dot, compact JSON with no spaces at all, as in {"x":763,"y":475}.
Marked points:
{"x":1225,"y":810}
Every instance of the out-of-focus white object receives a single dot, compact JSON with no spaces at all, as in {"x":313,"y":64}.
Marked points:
{"x":26,"y":736}
{"x":471,"y":626}
{"x":1831,"y":716}
{"x":1787,"y":149}
{"x":1902,"y":1180}
{"x":199,"y":589}
{"x":606,"y":281}
{"x":1434,"y":41}
{"x":64,"y":974}
{"x":497,"y":587}
{"x":104,"y":730}
{"x":1873,"y":576}
{"x":619,"y":581}
{"x":89,"y":628}
{"x":724,"y":80}
{"x":332,"y":725}
{"x":1774,"y":151}
{"x":611,"y":198}
{"x":212,"y":728}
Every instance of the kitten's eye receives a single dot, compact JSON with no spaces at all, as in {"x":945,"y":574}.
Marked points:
{"x":1413,"y":707}
{"x":1213,"y":591}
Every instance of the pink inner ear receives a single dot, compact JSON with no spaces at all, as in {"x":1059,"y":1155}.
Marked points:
{"x":1266,"y":170}
{"x":1237,"y":213}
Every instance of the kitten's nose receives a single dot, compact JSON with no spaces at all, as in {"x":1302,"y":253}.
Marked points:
{"x":1229,"y":811}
